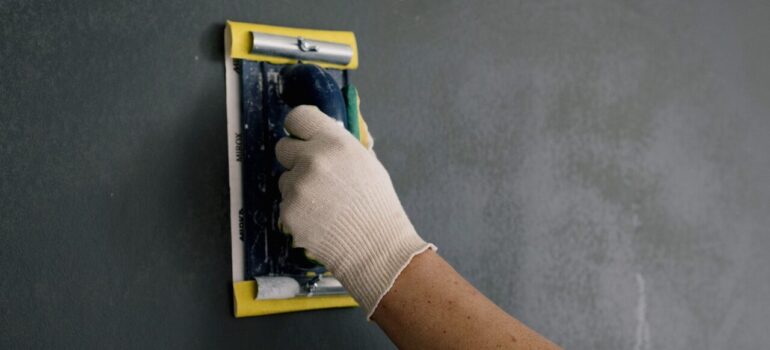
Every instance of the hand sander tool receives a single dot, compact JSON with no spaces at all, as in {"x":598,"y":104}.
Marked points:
{"x":268,"y":71}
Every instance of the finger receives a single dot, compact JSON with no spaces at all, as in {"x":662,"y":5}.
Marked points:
{"x":304,"y":121}
{"x":286,"y":151}
{"x":286,"y":183}
{"x":283,"y":225}
{"x":288,"y":219}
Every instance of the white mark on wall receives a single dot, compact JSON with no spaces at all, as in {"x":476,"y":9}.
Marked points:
{"x":642,"y":327}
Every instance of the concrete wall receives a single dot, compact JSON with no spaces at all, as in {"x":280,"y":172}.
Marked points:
{"x":599,"y":169}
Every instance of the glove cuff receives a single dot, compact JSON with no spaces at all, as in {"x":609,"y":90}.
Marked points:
{"x":368,"y":255}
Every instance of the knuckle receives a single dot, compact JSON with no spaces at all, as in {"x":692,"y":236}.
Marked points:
{"x":304,"y":109}
{"x":285,"y":222}
{"x":297,"y":113}
{"x":287,"y":213}
{"x":283,"y":187}
{"x":281,"y":147}
{"x":335,"y":135}
{"x":336,"y":142}
{"x":316,"y":163}
{"x":285,"y":183}
{"x":300,"y":188}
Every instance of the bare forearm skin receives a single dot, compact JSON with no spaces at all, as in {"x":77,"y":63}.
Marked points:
{"x":432,"y":307}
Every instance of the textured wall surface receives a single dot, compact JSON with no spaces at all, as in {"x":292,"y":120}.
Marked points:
{"x":601,"y":169}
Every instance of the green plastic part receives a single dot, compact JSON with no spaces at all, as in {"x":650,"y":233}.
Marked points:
{"x":351,"y":100}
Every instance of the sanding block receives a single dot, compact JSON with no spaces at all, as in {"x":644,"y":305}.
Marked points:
{"x":268,"y":70}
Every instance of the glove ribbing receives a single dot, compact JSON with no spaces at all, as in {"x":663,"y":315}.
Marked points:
{"x":339,"y":204}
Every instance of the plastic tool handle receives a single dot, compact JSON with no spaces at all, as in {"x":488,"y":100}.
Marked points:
{"x":308,"y":84}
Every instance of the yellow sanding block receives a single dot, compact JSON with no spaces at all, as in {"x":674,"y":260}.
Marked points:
{"x":262,"y":287}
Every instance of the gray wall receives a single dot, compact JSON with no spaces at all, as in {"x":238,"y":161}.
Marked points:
{"x":599,"y":169}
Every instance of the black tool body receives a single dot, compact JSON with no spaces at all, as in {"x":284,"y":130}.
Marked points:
{"x":268,"y":92}
{"x":308,"y":84}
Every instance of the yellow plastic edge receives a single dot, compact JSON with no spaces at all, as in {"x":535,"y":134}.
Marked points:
{"x":246,"y":304}
{"x":363,"y":129}
{"x":240,"y":34}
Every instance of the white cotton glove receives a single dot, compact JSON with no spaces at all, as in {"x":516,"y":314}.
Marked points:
{"x":340,"y":205}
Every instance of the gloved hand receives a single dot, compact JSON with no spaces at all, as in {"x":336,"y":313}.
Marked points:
{"x":340,"y":205}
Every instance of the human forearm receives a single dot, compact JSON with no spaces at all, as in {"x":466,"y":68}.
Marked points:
{"x":340,"y":205}
{"x":433,"y":306}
